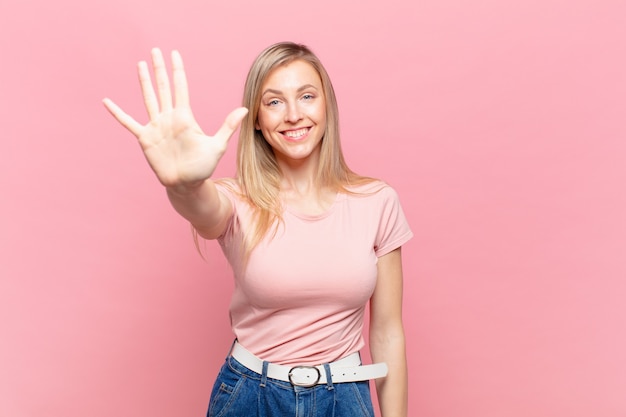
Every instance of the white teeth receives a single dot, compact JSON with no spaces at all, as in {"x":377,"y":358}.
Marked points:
{"x":296,"y":133}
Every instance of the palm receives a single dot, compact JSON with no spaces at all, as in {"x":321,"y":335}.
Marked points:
{"x":172,"y":141}
{"x":177,"y":149}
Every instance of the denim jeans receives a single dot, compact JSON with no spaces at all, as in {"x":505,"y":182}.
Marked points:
{"x":240,"y":392}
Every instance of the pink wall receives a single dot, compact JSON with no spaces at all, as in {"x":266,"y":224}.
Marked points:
{"x":501,"y":124}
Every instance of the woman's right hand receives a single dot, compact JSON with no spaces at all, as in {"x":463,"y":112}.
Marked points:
{"x":179,"y":153}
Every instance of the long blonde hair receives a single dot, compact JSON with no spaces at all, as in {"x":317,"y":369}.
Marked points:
{"x":257,"y":170}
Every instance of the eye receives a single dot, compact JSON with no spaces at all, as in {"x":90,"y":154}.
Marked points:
{"x":273,"y":102}
{"x":308,"y":97}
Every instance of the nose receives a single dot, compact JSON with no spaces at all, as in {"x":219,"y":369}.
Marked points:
{"x":294,"y":113}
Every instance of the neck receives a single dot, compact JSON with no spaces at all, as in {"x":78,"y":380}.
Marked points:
{"x":300,"y":176}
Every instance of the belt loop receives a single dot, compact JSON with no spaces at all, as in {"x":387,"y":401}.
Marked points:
{"x":329,"y":377}
{"x":230,"y":351}
{"x":264,"y":374}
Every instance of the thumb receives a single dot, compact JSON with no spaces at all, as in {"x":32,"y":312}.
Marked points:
{"x":231,"y":123}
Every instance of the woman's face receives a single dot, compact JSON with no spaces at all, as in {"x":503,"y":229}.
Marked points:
{"x":292,"y":112}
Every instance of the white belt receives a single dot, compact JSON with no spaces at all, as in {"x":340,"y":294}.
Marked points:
{"x":348,"y":369}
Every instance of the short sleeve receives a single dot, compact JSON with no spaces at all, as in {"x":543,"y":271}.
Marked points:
{"x":393,"y":227}
{"x":226,"y":190}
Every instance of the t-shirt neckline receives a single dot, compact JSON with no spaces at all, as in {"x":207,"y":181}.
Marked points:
{"x":313,"y":217}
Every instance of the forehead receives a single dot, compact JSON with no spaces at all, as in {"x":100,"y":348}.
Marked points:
{"x":292,"y":76}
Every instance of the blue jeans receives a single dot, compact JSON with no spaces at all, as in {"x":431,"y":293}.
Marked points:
{"x":240,"y":392}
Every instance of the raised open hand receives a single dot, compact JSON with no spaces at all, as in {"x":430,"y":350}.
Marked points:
{"x":179,"y":153}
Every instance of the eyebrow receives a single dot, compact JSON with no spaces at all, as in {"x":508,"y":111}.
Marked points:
{"x":304,"y":87}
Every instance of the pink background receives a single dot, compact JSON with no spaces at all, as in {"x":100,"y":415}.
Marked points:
{"x":500,"y":123}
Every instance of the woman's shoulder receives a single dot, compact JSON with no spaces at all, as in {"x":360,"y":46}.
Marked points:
{"x":230,"y":186}
{"x":369,"y":186}
{"x":232,"y":189}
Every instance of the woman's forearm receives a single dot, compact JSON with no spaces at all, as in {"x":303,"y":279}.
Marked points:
{"x":203,"y":206}
{"x":393,"y":389}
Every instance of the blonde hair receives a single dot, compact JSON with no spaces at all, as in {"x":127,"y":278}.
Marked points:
{"x":257,"y":170}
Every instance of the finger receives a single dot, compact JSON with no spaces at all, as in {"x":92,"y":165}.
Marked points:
{"x":181,"y":89}
{"x":162,"y":80}
{"x":125,"y":120}
{"x":149,"y":97}
{"x":232,"y":122}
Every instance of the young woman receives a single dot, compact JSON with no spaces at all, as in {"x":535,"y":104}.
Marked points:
{"x":310,"y":242}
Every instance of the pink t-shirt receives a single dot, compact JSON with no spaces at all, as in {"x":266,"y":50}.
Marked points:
{"x":302,"y":296}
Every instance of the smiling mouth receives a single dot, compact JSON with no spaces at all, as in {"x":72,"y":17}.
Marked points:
{"x":296,"y":134}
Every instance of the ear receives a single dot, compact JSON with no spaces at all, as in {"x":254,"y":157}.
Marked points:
{"x":257,"y":126}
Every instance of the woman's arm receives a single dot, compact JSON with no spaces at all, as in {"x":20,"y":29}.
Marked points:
{"x":207,"y":209}
{"x":387,"y":335}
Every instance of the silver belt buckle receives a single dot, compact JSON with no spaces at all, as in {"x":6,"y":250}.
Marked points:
{"x":304,"y":384}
